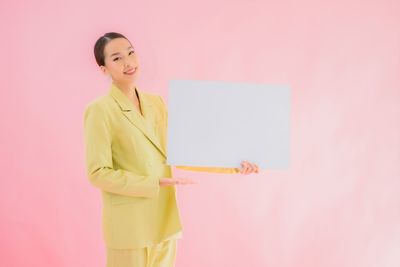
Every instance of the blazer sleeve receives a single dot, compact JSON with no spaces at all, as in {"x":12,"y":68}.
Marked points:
{"x":99,"y":163}
{"x":193,"y":168}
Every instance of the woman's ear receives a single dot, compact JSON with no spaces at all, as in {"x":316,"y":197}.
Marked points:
{"x":104,"y":70}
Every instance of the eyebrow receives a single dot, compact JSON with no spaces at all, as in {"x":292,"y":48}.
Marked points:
{"x":117,"y":53}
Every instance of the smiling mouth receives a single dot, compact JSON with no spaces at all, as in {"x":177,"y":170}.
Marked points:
{"x":131,"y":71}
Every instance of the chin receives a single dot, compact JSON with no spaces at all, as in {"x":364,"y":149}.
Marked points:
{"x":132,"y":79}
{"x":128,"y":79}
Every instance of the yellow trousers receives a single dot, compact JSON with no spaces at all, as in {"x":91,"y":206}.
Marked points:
{"x":160,"y":255}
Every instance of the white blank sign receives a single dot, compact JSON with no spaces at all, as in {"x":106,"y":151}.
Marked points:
{"x":219,"y":124}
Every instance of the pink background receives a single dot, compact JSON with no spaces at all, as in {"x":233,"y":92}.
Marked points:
{"x":338,"y":204}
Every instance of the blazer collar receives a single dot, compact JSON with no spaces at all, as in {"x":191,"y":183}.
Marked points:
{"x":134,"y":116}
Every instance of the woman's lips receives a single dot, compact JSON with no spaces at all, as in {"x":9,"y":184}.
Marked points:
{"x":130,"y":72}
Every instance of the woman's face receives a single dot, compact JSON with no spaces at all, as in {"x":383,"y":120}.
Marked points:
{"x":120,"y":61}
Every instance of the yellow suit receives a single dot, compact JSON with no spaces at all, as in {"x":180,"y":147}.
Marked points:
{"x":125,"y":157}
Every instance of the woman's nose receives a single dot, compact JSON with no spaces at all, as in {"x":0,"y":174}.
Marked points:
{"x":129,"y":63}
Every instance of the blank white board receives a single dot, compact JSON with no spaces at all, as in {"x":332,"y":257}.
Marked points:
{"x":219,"y":124}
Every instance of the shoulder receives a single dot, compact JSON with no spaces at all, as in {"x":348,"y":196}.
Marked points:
{"x":102,"y":102}
{"x":99,"y":108}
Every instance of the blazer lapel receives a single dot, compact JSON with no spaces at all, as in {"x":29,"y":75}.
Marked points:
{"x":134,"y":116}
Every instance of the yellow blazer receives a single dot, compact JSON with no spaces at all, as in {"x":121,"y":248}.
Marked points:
{"x":125,"y":155}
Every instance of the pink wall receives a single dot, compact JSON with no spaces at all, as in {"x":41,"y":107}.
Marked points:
{"x":338,"y":204}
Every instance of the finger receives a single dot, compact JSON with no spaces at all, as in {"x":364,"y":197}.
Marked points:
{"x":248,"y":168}
{"x":168,"y":183}
{"x":244,"y":166}
{"x":253,"y":167}
{"x":172,"y":181}
{"x":241,"y":166}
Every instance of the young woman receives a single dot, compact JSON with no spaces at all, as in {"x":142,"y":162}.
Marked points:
{"x":125,"y":142}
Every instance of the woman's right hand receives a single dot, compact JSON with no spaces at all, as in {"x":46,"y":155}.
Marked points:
{"x":176,"y":181}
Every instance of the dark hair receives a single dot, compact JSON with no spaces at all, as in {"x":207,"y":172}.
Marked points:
{"x":101,"y":43}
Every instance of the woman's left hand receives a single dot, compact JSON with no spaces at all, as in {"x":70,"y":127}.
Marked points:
{"x":248,"y":167}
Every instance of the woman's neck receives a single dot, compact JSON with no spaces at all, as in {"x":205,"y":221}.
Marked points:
{"x":127,"y":88}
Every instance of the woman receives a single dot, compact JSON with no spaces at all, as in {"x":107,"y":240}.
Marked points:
{"x":125,"y":141}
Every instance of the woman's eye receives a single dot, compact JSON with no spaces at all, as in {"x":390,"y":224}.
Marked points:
{"x":131,"y":52}
{"x":115,"y":59}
